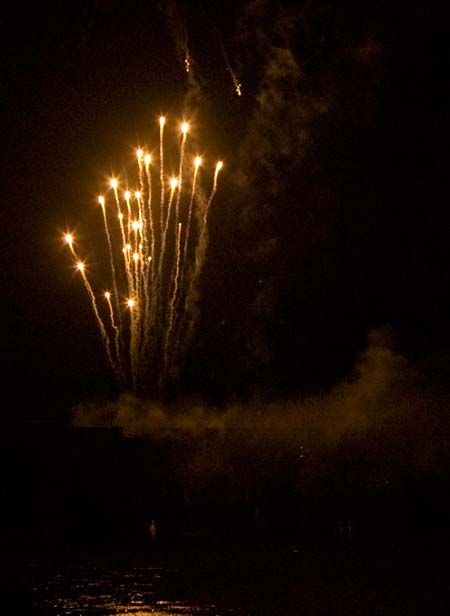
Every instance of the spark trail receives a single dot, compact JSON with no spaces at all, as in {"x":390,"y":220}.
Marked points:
{"x":155,"y":249}
{"x":237,"y":84}
{"x":81,"y":269}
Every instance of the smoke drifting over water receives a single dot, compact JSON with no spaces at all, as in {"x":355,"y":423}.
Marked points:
{"x":385,"y":405}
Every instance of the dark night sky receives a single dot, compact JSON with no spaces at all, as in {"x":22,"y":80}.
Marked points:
{"x":331,"y":218}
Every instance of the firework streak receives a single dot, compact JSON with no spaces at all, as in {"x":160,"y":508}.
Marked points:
{"x":156,"y":239}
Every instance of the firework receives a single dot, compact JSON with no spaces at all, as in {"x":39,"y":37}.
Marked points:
{"x":236,"y":83}
{"x":155,"y":252}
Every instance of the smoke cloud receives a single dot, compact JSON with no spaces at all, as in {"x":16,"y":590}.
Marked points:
{"x":384,"y":406}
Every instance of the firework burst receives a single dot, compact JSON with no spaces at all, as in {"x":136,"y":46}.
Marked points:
{"x":156,"y":238}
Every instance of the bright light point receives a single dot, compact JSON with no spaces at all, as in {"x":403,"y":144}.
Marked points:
{"x":147,"y":159}
{"x":139,"y":153}
{"x":137,"y":194}
{"x":130,"y":303}
{"x":80,"y":266}
{"x":136,"y":256}
{"x":219,"y":165}
{"x":135,"y":225}
{"x":198,"y":161}
{"x":101,"y":200}
{"x":128,"y":246}
{"x":184,"y":128}
{"x":173,"y":183}
{"x":127,"y":195}
{"x":68,"y":239}
{"x":113,"y":183}
{"x":107,"y":295}
{"x":149,"y":259}
{"x":120,"y":216}
{"x":162,"y":121}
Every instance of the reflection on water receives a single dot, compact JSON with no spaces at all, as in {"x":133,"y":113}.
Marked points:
{"x":140,"y":590}
{"x":272,"y":581}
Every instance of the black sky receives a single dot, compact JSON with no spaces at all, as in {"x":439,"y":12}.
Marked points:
{"x":332,"y":214}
